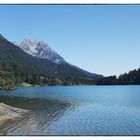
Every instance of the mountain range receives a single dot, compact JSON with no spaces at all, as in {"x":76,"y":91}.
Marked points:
{"x":35,"y":62}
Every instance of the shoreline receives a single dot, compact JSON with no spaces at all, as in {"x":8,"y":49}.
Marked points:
{"x":14,"y":88}
{"x":9,"y":114}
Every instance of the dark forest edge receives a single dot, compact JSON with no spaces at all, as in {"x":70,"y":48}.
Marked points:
{"x":130,"y":78}
{"x":13,"y":79}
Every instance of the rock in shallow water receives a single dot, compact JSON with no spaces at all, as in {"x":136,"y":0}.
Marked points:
{"x":9,"y":113}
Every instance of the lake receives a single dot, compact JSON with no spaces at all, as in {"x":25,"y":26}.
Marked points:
{"x":75,"y":110}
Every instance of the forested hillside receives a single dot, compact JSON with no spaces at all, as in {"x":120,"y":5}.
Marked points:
{"x":16,"y":67}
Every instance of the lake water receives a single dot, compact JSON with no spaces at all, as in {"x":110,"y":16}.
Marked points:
{"x":76,"y":110}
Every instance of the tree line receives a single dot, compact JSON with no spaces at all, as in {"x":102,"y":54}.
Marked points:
{"x":130,"y":78}
{"x":13,"y":75}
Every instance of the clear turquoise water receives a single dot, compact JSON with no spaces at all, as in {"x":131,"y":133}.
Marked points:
{"x":86,"y":110}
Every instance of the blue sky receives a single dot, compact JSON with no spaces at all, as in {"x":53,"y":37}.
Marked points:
{"x":103,"y":39}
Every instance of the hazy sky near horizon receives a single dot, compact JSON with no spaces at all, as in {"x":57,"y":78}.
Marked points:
{"x":103,"y":39}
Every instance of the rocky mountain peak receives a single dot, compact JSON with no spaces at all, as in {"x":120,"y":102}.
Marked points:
{"x":40,"y":49}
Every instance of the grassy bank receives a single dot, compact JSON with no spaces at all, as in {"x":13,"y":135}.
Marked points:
{"x":24,"y":84}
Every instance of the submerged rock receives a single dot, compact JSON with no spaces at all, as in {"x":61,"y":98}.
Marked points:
{"x":10,"y":114}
